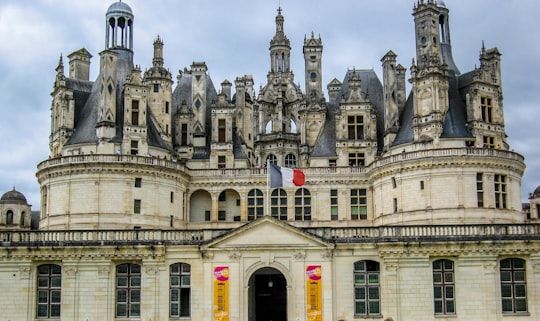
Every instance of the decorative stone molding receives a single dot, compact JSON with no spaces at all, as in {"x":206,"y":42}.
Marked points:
{"x":235,"y":256}
{"x":299,"y":256}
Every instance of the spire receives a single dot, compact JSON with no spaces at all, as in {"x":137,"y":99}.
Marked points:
{"x":158,"y":52}
{"x":60,"y":68}
{"x":280,"y":47}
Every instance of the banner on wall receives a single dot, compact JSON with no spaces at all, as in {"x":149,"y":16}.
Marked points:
{"x":313,"y":293}
{"x":221,"y":293}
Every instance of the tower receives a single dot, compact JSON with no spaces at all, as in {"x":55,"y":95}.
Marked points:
{"x":79,"y":64}
{"x":119,"y":27}
{"x":313,"y":62}
{"x":280,"y":48}
{"x":429,"y":76}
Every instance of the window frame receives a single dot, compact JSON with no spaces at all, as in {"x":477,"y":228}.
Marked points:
{"x":182,"y":272}
{"x":302,"y":205}
{"x":364,"y":272}
{"x":130,"y":287}
{"x":46,"y":283}
{"x":359,"y":204}
{"x":279,"y":204}
{"x":500,"y":190}
{"x":355,"y":127}
{"x":255,"y":204}
{"x":445,"y":281}
{"x":508,"y":280}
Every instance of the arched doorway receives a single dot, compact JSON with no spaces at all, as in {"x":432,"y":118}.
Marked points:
{"x":267,"y":295}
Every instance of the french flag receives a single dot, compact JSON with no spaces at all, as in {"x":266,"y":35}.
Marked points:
{"x":285,"y":177}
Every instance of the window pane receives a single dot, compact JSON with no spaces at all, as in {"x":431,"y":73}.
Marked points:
{"x":121,"y":310}
{"x":448,"y":265}
{"x":507,"y":305}
{"x":135,"y":281}
{"x":437,"y":292}
{"x":438,"y":307}
{"x":55,"y":296}
{"x":373,"y":278}
{"x":43,"y":296}
{"x":359,"y":266}
{"x":506,"y":291}
{"x":519,"y":276}
{"x":360,"y":293}
{"x":135,"y":296}
{"x":520,"y":291}
{"x":450,"y":306}
{"x":121,"y":281}
{"x":175,"y":280}
{"x":373,"y":293}
{"x":42,"y":311}
{"x":374,"y":307}
{"x":437,"y":265}
{"x":175,"y":294}
{"x":449,"y":292}
{"x":175,"y":268}
{"x":43,"y":282}
{"x":186,"y":280}
{"x":134,"y":310}
{"x":56,"y":282}
{"x":506,"y":276}
{"x":437,"y":277}
{"x":55,"y":310}
{"x":519,"y":264}
{"x":448,"y":277}
{"x":505,"y":264}
{"x":135,"y":269}
{"x":360,"y":308}
{"x":521,"y":305}
{"x":185,"y":302}
{"x":359,"y":278}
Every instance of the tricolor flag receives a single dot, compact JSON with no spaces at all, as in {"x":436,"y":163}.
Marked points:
{"x":285,"y":177}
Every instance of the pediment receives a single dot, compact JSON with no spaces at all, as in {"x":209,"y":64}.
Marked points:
{"x":267,"y":232}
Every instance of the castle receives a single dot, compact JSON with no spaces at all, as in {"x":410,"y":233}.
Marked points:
{"x":156,"y":202}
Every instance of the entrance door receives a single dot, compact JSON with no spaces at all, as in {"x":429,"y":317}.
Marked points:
{"x":268,"y":296}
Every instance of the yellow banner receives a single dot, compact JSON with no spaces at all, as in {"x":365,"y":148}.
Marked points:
{"x":221,"y":293}
{"x":313,"y":293}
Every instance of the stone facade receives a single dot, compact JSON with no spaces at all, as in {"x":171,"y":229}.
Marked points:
{"x":156,"y":202}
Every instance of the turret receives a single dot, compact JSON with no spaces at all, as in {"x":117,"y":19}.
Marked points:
{"x":280,"y":48}
{"x":313,"y":66}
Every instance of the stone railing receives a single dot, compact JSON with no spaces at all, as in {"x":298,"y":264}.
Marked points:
{"x":337,"y":235}
{"x":254,"y":171}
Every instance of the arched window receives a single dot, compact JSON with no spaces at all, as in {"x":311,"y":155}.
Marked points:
{"x":180,"y":290}
{"x":444,"y":287}
{"x":268,"y":127}
{"x":513,"y":286}
{"x":128,"y":290}
{"x":290,"y":161}
{"x":302,"y":205}
{"x":9,"y":217}
{"x":255,"y":204}
{"x":49,"y":291}
{"x":23,"y":218}
{"x":279,"y":204}
{"x":367,"y":288}
{"x":271,"y":159}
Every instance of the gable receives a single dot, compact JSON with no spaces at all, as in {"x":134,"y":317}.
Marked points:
{"x":267,"y":232}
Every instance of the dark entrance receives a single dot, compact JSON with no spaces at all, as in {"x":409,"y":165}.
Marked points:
{"x":267,"y":296}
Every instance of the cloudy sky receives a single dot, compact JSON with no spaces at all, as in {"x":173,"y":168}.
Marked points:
{"x":232,"y":37}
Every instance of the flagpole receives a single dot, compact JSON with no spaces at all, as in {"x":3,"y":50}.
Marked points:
{"x":267,"y":190}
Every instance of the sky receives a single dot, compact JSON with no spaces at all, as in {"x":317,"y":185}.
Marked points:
{"x":233,"y":37}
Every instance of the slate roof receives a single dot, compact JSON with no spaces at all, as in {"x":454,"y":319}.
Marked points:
{"x":371,"y":85}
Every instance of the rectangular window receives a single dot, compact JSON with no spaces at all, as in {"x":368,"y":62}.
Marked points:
{"x":156,"y":88}
{"x":222,"y":162}
{"x":395,"y":205}
{"x":480,"y":189}
{"x":444,"y":287}
{"x":513,"y":286}
{"x":166,"y":107}
{"x":128,"y":290}
{"x":135,"y":113}
{"x":500,"y":191}
{"x":183,"y":135}
{"x":489,"y":142}
{"x":180,"y":290}
{"x":222,"y":216}
{"x":207,"y":216}
{"x":137,"y":206}
{"x":49,"y":291}
{"x":355,"y":127}
{"x":422,"y":185}
{"x":138,"y":182}
{"x":172,"y":197}
{"x":358,"y":204}
{"x":357,"y":159}
{"x":134,"y":147}
{"x":486,"y":104}
{"x":333,"y":204}
{"x":222,"y":130}
{"x":367,"y":288}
